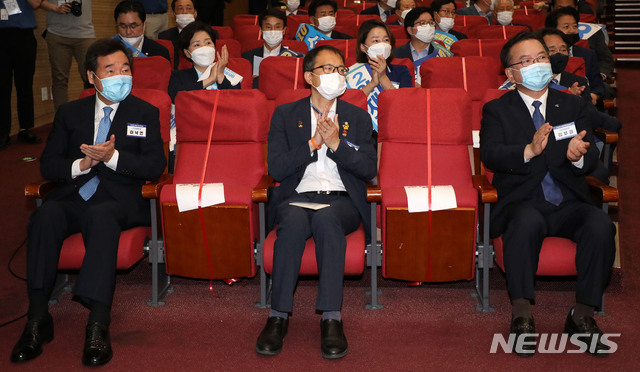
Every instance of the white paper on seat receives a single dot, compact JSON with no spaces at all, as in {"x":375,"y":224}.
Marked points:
{"x":314,"y":206}
{"x":187,"y":195}
{"x":443,"y":197}
{"x":256,"y":65}
{"x":476,"y":138}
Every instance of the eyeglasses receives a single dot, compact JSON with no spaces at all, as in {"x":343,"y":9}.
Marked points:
{"x":529,"y":61}
{"x":132,"y":26}
{"x":330,"y":69}
{"x":447,"y":12}
{"x":424,"y":23}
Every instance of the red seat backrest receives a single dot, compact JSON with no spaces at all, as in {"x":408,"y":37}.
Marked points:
{"x":243,"y":68}
{"x":531,"y":18}
{"x":410,"y":66}
{"x":169,"y":45}
{"x":478,"y":47}
{"x":224,"y":32}
{"x":469,"y":21}
{"x":278,"y":73}
{"x":296,"y":45}
{"x":151,"y":73}
{"x":398,"y":32}
{"x":246,"y":35}
{"x":576,"y":65}
{"x":346,"y":46}
{"x":241,"y":20}
{"x":233,"y":47}
{"x":496,"y":32}
{"x":293,"y":22}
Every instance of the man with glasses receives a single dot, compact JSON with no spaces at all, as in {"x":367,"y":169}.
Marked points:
{"x":444,"y":13}
{"x":130,"y":22}
{"x":539,"y":144}
{"x":322,"y":152}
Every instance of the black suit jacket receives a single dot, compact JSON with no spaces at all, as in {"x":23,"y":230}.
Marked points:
{"x":339,"y":35}
{"x":140,"y":159}
{"x":592,"y":69}
{"x":507,"y":127}
{"x":567,"y":79}
{"x":173,"y":35}
{"x":605,"y":58}
{"x":187,"y":79}
{"x":371,"y":10}
{"x":459,"y":35}
{"x":151,"y":48}
{"x":289,"y":152}
{"x":403,"y":51}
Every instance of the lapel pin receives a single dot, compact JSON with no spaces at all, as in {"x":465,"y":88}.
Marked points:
{"x":299,"y":124}
{"x":557,"y":105}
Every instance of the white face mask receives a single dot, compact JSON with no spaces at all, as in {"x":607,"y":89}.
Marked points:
{"x":326,"y":23}
{"x":331,"y":85}
{"x":292,"y":5}
{"x":425,"y":33}
{"x":446,"y":23}
{"x":203,"y":56}
{"x":392,"y":3}
{"x":490,"y":4}
{"x":504,"y":18}
{"x":272,"y":38}
{"x":133,"y":41}
{"x":383,"y":49}
{"x":404,"y":13}
{"x":184,"y":19}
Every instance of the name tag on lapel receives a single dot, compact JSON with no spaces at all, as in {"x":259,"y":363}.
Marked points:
{"x":354,"y":146}
{"x":565,"y":131}
{"x":136,"y":130}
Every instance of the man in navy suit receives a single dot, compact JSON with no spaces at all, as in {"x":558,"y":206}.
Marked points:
{"x":322,"y":14}
{"x":539,"y":144}
{"x":99,"y":196}
{"x":130,"y":20}
{"x":321,"y":150}
{"x":383,"y":9}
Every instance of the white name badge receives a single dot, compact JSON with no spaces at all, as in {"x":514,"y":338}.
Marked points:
{"x":4,"y":16}
{"x":61,"y":2}
{"x":565,"y":131}
{"x":136,"y":130}
{"x":12,"y":7}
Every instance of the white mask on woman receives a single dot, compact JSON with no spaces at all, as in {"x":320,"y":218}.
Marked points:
{"x":383,"y":49}
{"x":203,"y":56}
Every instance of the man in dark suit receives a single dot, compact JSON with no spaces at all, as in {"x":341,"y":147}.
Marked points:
{"x":479,"y":8}
{"x":321,"y":150}
{"x":322,"y":14}
{"x":539,"y":172}
{"x":186,"y":13}
{"x":383,"y":9}
{"x":130,"y":21}
{"x":402,"y":9}
{"x":291,"y":7}
{"x":101,"y":166}
{"x":444,"y":13}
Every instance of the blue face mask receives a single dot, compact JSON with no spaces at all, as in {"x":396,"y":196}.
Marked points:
{"x":536,"y":76}
{"x":116,"y":88}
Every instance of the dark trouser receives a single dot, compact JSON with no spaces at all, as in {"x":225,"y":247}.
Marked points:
{"x":328,"y":227}
{"x":100,"y":220}
{"x":529,"y":223}
{"x":17,"y":64}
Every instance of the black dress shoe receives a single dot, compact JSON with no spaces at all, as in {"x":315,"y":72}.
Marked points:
{"x":524,"y":327}
{"x":36,"y":333}
{"x":97,"y":345}
{"x":5,"y":141}
{"x":270,"y":339}
{"x":333,"y":344}
{"x":589,"y":326}
{"x":27,"y":136}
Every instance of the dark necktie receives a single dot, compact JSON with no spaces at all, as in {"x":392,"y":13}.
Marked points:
{"x":552,"y":192}
{"x":388,"y":13}
{"x":87,"y":190}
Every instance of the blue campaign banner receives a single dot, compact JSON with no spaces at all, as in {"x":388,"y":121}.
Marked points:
{"x":310,"y":35}
{"x":586,"y":30}
{"x":446,"y":38}
{"x":135,"y":51}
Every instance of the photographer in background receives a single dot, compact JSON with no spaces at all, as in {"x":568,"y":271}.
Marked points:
{"x":69,"y":33}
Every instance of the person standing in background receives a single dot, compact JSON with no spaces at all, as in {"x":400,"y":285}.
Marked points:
{"x":157,"y":19}
{"x":69,"y":33}
{"x":18,"y":63}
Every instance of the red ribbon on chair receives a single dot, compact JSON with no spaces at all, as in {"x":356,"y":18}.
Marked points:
{"x":204,"y":171}
{"x":295,"y":78}
{"x":479,"y":47}
{"x":464,"y":72}
{"x":429,"y":183}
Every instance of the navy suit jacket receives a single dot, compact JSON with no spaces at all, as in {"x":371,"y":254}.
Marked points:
{"x":471,"y":10}
{"x":187,"y":79}
{"x":403,"y":51}
{"x":140,"y":159}
{"x":289,"y":156}
{"x":374,"y":10}
{"x":507,"y":127}
{"x":151,"y":48}
{"x":173,"y":35}
{"x":592,"y":69}
{"x":339,"y":35}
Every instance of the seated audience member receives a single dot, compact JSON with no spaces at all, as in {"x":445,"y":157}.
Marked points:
{"x":479,"y":8}
{"x":384,"y":9}
{"x":421,"y":28}
{"x":322,"y":14}
{"x":198,"y":44}
{"x":597,"y":38}
{"x":292,"y":7}
{"x":504,"y":13}
{"x":185,"y":12}
{"x":328,"y":161}
{"x":540,"y":176}
{"x":444,"y":13}
{"x":130,"y":21}
{"x":373,"y":71}
{"x":402,"y":9}
{"x":582,"y":6}
{"x":273,"y":23}
{"x":566,"y":20}
{"x":101,"y":172}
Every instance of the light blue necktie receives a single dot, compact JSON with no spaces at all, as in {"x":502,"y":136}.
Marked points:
{"x":552,"y":192}
{"x":88,"y":189}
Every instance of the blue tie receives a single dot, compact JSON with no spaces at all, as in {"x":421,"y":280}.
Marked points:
{"x":552,"y":192}
{"x":88,"y":189}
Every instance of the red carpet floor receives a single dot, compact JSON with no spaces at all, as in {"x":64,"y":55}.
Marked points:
{"x":433,"y":327}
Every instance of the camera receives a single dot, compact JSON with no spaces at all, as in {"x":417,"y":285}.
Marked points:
{"x":76,"y":8}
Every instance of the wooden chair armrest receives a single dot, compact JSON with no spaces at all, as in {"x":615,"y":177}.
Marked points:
{"x":39,"y":190}
{"x":606,"y":136}
{"x":374,"y":193}
{"x":260,"y":192}
{"x":609,"y":103}
{"x":601,"y":192}
{"x":486,"y":191}
{"x":152,"y":190}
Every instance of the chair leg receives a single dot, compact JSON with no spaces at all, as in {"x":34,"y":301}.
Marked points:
{"x":372,"y":261}
{"x":265,"y":288}
{"x":160,"y":281}
{"x":484,"y":262}
{"x":61,"y":285}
